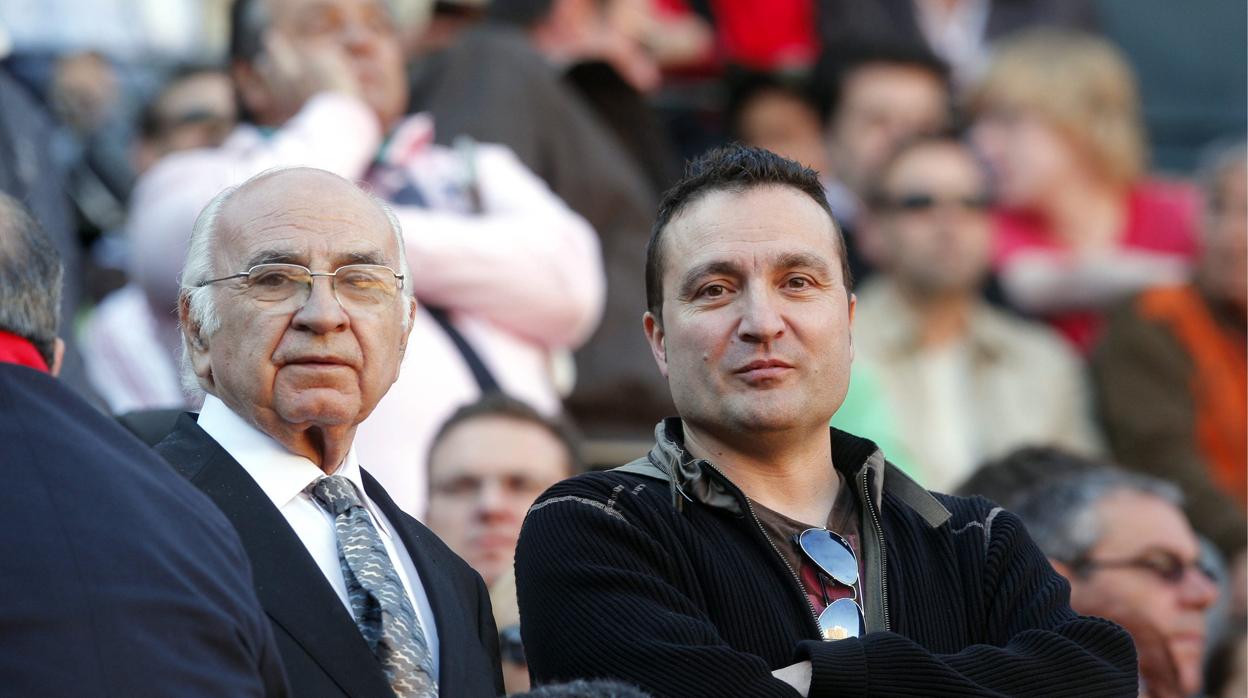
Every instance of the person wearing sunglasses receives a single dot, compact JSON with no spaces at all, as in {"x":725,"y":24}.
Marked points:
{"x":962,"y":380}
{"x":755,"y":552}
{"x":1131,"y":556}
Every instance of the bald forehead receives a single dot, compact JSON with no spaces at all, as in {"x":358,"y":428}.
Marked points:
{"x":271,"y":208}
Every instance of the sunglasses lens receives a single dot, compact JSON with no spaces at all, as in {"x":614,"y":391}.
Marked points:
{"x":842,"y":619}
{"x":832,"y":554}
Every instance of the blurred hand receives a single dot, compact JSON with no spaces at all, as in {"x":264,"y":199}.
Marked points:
{"x":305,"y":69}
{"x":1158,"y":670}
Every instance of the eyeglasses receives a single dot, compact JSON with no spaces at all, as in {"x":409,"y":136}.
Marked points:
{"x":360,"y":286}
{"x":923,"y":202}
{"x":1163,"y":564}
{"x":833,"y":555}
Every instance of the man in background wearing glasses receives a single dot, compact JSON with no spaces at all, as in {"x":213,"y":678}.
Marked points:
{"x":294,"y":319}
{"x":754,"y":552}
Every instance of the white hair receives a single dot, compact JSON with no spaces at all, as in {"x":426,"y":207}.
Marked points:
{"x":198,"y":268}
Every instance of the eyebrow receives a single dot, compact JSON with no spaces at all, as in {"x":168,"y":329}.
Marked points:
{"x":688,"y":284}
{"x":804,"y":260}
{"x":276,"y":256}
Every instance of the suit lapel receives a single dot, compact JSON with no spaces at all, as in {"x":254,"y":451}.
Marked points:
{"x":290,"y":585}
{"x":453,"y":626}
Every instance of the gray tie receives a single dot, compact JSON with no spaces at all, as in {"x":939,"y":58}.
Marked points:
{"x":383,"y":611}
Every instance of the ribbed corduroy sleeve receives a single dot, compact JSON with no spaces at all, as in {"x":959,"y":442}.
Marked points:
{"x":1045,"y":650}
{"x":598,"y":599}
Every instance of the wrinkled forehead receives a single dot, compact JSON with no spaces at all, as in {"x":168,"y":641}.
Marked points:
{"x":305,"y":220}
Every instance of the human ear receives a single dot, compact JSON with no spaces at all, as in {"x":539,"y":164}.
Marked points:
{"x":194,"y":341}
{"x":656,"y":339}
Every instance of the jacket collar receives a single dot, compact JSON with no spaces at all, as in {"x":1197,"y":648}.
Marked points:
{"x":855,"y":457}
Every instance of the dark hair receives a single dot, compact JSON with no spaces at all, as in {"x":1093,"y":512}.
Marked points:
{"x":502,"y":405}
{"x":30,"y":279}
{"x":744,"y":86}
{"x":522,"y":13}
{"x":733,"y":168}
{"x":586,"y":689}
{"x":836,"y":64}
{"x":248,"y":21}
{"x":1009,"y":479}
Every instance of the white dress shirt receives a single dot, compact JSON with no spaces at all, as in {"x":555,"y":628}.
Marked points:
{"x":284,"y":476}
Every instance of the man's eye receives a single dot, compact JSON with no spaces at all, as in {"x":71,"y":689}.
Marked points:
{"x":272,"y":279}
{"x":713,"y":291}
{"x":797,"y":282}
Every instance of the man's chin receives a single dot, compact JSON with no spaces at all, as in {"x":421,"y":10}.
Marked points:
{"x":314,"y":407}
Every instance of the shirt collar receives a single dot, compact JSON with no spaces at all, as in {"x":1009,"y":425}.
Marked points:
{"x":282,"y":475}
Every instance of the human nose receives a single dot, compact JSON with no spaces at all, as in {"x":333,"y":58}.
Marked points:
{"x":761,"y":319}
{"x":321,"y":312}
{"x":1197,"y":589}
{"x":490,"y":500}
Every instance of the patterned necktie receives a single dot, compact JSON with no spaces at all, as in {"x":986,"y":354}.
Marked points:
{"x":383,"y":611}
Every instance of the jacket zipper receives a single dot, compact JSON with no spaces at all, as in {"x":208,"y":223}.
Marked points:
{"x":879,"y":534}
{"x":814,"y":616}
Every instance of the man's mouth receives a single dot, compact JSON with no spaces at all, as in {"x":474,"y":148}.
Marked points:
{"x":764,"y":369}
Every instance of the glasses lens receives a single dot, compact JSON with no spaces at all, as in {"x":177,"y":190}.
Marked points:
{"x":277,"y":282}
{"x":915,"y":202}
{"x":365,"y":284}
{"x":842,"y":619}
{"x":831,"y":553}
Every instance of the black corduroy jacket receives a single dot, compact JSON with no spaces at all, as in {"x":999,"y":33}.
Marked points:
{"x":660,"y":574}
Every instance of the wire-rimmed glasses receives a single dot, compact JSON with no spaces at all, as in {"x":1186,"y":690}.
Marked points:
{"x":360,"y":286}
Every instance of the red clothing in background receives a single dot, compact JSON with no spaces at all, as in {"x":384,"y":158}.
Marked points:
{"x":760,"y":34}
{"x":1161,"y":218}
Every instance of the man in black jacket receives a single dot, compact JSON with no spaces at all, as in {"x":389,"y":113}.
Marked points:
{"x":119,"y":578}
{"x":753,"y":552}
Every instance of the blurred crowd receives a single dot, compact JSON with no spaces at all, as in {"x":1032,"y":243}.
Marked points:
{"x":1045,"y":204}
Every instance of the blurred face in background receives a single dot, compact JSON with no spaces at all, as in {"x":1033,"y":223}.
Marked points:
{"x":880,"y":106}
{"x":930,"y":227}
{"x":1029,"y":157}
{"x":309,"y":40}
{"x":1224,"y":266}
{"x":484,"y":475}
{"x":194,"y":111}
{"x":1145,"y":564}
{"x":784,"y":123}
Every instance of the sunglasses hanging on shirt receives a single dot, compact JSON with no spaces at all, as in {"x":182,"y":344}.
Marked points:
{"x":833,"y":556}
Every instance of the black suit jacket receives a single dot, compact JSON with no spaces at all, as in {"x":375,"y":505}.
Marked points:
{"x":322,"y":649}
{"x":117,"y":578}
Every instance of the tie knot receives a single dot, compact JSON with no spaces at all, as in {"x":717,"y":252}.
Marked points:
{"x":335,"y":494}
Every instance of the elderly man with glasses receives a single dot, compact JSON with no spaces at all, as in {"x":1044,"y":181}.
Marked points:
{"x":294,"y":321}
{"x":754,"y":552}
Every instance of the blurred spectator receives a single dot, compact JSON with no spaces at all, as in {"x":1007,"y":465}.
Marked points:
{"x":1010,"y":479}
{"x":497,"y":84}
{"x":31,"y":173}
{"x":958,"y":31}
{"x":1171,"y":371}
{"x":1130,"y":555}
{"x":504,"y":272}
{"x":487,"y":464}
{"x":194,"y":109}
{"x":1057,"y":117}
{"x":873,"y":96}
{"x":964,"y":381}
{"x":777,"y":113}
